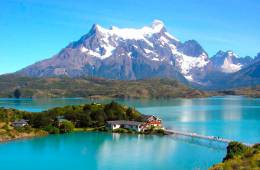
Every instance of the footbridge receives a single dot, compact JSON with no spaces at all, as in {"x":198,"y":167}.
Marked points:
{"x":199,"y":136}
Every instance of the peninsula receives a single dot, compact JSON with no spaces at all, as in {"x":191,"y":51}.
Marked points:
{"x":15,"y":124}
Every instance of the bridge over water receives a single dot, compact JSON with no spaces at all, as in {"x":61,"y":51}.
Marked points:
{"x":195,"y":135}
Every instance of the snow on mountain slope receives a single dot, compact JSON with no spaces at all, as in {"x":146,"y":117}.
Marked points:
{"x":110,"y":39}
{"x":135,"y":34}
{"x":187,"y":64}
{"x":156,"y":37}
{"x":228,"y":62}
{"x":229,"y":67}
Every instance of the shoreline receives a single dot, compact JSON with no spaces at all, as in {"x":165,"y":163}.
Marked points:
{"x":126,"y":98}
{"x":2,"y":141}
{"x":78,"y":130}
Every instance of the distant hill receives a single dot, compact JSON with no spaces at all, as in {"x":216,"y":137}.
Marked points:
{"x":245,"y":78}
{"x":29,"y":87}
{"x":249,"y":76}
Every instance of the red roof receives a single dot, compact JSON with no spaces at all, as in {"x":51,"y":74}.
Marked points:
{"x":154,"y":122}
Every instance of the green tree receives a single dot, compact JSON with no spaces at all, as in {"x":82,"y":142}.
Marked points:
{"x":41,"y":120}
{"x":52,"y":129}
{"x":235,"y":149}
{"x":85,"y":120}
{"x":99,"y":117}
{"x":132,"y":114}
{"x":17,"y":93}
{"x":66,"y":126}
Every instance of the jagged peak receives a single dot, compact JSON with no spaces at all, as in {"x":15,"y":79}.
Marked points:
{"x":133,"y":33}
{"x":157,"y":25}
{"x":97,"y":28}
{"x":192,"y":48}
{"x":228,"y":53}
{"x":220,"y":52}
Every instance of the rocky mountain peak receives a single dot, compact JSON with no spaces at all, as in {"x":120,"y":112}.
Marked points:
{"x":192,"y":48}
{"x":228,"y":61}
{"x":95,"y":29}
{"x":231,"y":54}
{"x":158,"y":25}
{"x":222,"y":55}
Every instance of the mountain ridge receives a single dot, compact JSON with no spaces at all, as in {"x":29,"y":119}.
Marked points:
{"x":132,"y":54}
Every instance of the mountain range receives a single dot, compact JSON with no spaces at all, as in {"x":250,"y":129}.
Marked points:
{"x":151,"y":51}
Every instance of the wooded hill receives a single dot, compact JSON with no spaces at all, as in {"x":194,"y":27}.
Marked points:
{"x":47,"y":122}
{"x":28,"y":87}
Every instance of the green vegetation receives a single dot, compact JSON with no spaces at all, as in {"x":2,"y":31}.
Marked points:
{"x":154,"y":131}
{"x":93,"y":88}
{"x":7,"y":132}
{"x":74,"y":118}
{"x":66,"y":126}
{"x":52,"y":129}
{"x":240,"y":156}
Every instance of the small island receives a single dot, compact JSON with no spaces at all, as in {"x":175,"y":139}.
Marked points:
{"x":112,"y":117}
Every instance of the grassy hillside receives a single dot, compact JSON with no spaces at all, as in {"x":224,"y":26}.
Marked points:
{"x":93,"y":87}
{"x":240,"y":157}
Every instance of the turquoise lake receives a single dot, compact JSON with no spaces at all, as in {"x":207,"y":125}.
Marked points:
{"x":232,"y":117}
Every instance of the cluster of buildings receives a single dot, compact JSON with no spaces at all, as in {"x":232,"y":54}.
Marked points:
{"x":20,"y":123}
{"x":149,"y":122}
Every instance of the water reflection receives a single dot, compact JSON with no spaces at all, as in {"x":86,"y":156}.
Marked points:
{"x":135,"y":151}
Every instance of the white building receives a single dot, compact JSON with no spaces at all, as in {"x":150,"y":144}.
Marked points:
{"x":20,"y":123}
{"x":133,"y":125}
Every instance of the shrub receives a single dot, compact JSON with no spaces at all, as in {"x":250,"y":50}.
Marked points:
{"x":235,"y":149}
{"x":66,"y":126}
{"x":25,"y":129}
{"x":52,"y":129}
{"x":6,"y":127}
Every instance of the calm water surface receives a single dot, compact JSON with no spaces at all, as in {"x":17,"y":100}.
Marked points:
{"x":231,"y":117}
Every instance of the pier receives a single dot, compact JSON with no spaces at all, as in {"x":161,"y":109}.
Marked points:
{"x":195,"y":135}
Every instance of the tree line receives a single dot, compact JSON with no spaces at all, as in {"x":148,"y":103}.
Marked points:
{"x":82,"y":116}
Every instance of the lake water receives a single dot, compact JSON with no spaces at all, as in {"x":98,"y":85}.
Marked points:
{"x":231,"y":117}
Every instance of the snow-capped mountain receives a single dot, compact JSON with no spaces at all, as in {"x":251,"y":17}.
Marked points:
{"x":128,"y":53}
{"x":125,"y":53}
{"x":229,"y":62}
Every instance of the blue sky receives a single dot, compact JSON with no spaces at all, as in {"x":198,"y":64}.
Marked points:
{"x":32,"y":30}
